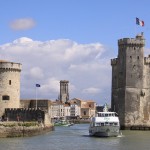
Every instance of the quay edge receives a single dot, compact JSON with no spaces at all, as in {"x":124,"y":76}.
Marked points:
{"x":18,"y":129}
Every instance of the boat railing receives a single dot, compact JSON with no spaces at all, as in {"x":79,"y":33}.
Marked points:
{"x":107,"y":115}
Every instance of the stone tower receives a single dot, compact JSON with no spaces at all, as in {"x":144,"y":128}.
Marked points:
{"x":131,"y":83}
{"x":64,"y":92}
{"x":9,"y":85}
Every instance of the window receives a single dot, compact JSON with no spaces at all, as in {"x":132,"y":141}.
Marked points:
{"x":5,"y":97}
{"x":115,"y":123}
{"x":84,"y":112}
{"x":9,"y":82}
{"x":102,"y":124}
{"x":106,"y":115}
{"x":138,"y":57}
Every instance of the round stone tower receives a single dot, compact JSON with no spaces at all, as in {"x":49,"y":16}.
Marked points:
{"x":9,"y":85}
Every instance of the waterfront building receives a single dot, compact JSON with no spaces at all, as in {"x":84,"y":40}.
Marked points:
{"x":88,"y":109}
{"x":67,"y":110}
{"x":57,"y":110}
{"x":131,"y":83}
{"x":75,"y":110}
{"x":84,"y":108}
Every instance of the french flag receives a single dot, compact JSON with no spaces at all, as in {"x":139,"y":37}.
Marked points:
{"x":139,"y":22}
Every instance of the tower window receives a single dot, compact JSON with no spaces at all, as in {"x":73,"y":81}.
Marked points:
{"x":9,"y":82}
{"x":138,"y":57}
{"x":5,"y":97}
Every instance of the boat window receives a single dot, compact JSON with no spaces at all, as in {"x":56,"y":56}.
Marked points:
{"x":99,"y":115}
{"x":102,"y":115}
{"x":106,"y":123}
{"x":98,"y":124}
{"x":115,"y":123}
{"x":116,"y":114}
{"x":111,"y":124}
{"x":106,"y":115}
{"x":102,"y":124}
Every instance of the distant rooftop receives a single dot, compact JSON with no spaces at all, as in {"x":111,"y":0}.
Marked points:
{"x":3,"y":61}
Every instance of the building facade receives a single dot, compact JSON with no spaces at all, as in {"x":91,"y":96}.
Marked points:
{"x":84,"y":109}
{"x":75,"y":110}
{"x":131,"y":83}
{"x":9,"y":85}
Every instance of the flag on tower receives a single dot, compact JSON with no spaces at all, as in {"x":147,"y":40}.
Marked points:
{"x":139,"y":22}
{"x":38,"y":85}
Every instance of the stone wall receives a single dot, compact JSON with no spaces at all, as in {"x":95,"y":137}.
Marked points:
{"x":20,"y":129}
{"x":21,"y":114}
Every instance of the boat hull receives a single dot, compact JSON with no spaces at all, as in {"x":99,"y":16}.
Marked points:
{"x":104,"y":131}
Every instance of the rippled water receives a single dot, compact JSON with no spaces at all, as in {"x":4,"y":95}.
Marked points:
{"x":76,"y":138}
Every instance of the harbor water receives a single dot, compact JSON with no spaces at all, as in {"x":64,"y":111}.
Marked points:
{"x":76,"y":137}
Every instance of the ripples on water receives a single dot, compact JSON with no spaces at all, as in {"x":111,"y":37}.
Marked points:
{"x":77,"y":138}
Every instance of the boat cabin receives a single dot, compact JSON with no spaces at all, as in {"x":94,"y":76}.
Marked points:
{"x":105,"y":119}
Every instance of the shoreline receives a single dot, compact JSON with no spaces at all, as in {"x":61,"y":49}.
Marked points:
{"x":23,"y":129}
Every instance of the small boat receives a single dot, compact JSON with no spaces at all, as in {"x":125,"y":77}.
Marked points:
{"x":68,"y":124}
{"x":63,"y":123}
{"x":105,"y":124}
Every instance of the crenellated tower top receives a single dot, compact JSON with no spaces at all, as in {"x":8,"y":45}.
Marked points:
{"x":10,"y":66}
{"x":138,"y":41}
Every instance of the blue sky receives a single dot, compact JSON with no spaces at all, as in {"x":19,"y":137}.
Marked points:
{"x":86,"y":31}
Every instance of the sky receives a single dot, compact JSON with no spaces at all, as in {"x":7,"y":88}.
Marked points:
{"x":70,"y":40}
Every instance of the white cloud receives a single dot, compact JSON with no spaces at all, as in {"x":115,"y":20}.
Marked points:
{"x":91,"y":90}
{"x":36,"y":72}
{"x":22,"y":24}
{"x":85,"y":66}
{"x":51,"y":85}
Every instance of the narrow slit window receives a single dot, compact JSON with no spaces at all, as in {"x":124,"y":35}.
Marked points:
{"x":9,"y":82}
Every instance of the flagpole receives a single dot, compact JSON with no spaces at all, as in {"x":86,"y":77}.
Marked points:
{"x":35,"y":97}
{"x":36,"y":86}
{"x":136,"y":27}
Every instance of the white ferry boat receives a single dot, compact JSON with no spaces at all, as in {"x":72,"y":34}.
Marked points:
{"x":105,"y":124}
